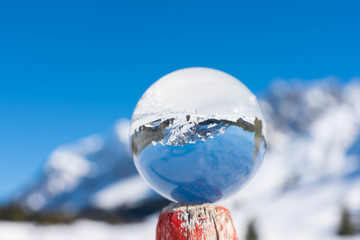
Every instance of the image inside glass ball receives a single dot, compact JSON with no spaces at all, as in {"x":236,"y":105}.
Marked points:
{"x":197,"y":135}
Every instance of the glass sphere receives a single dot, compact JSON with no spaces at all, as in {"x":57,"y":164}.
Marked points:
{"x":197,"y":135}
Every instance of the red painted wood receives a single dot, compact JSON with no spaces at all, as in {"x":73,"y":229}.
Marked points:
{"x":195,"y":222}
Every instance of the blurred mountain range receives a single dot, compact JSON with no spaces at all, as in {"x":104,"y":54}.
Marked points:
{"x":311,"y":171}
{"x":95,"y":178}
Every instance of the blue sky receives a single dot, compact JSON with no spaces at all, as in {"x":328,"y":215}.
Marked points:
{"x":69,"y":69}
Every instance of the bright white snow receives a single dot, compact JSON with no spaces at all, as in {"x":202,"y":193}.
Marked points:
{"x":128,"y":192}
{"x":197,"y":91}
{"x":310,"y":172}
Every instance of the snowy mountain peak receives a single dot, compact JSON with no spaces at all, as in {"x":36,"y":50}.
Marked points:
{"x":68,"y":164}
{"x":93,"y":163}
{"x":311,"y":169}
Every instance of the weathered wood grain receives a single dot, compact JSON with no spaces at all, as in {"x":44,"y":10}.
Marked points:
{"x":195,"y":222}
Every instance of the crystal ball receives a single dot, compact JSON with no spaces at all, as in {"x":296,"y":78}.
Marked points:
{"x":197,"y":135}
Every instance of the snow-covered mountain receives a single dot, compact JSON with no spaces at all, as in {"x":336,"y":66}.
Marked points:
{"x":310,"y":172}
{"x":312,"y":167}
{"x":75,"y":173}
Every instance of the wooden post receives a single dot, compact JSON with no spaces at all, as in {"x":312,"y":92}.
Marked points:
{"x":195,"y":222}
